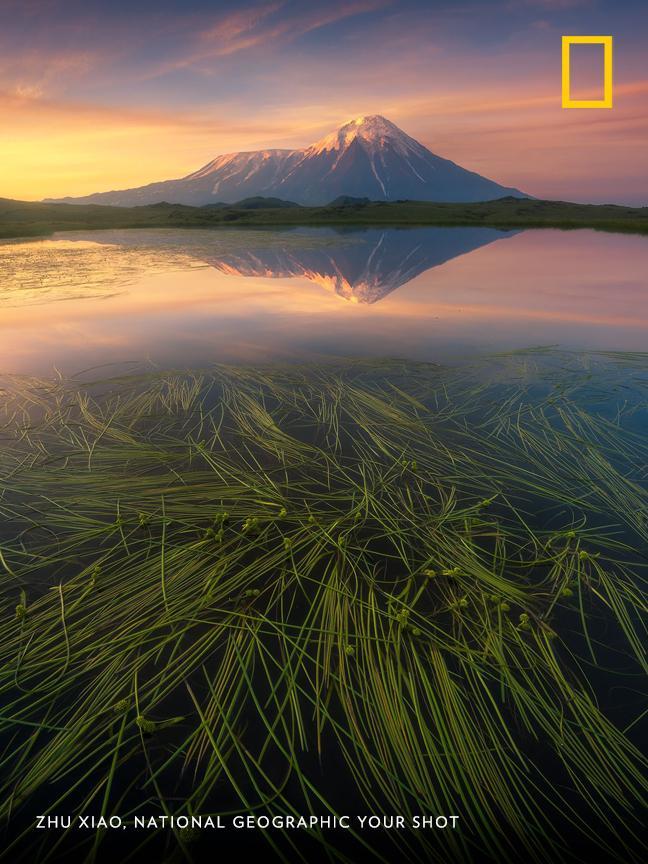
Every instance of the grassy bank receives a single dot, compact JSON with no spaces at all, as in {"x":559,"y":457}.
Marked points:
{"x":282,"y":590}
{"x":24,"y":219}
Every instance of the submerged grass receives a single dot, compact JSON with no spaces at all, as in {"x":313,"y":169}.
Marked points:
{"x":378,"y":587}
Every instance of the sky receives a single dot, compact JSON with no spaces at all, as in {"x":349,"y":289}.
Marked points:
{"x":101,"y":95}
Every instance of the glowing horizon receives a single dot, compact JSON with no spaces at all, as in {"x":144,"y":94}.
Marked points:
{"x":99,"y":96}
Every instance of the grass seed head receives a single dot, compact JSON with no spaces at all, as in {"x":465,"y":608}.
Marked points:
{"x":147,"y":726}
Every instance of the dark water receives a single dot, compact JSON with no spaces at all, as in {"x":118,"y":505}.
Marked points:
{"x":185,"y":298}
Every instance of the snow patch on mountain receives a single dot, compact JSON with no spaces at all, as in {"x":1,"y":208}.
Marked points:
{"x":373,"y":132}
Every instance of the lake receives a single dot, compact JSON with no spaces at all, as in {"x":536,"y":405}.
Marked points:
{"x":315,"y":522}
{"x":180,"y":298}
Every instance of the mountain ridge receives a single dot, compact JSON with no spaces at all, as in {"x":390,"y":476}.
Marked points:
{"x":368,"y":157}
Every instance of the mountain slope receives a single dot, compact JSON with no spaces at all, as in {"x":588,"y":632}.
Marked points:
{"x":372,"y":157}
{"x":368,"y":157}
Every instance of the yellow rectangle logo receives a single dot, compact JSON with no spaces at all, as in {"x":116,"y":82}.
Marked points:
{"x":606,"y":101}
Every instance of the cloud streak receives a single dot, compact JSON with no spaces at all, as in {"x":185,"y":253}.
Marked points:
{"x":261,"y":27}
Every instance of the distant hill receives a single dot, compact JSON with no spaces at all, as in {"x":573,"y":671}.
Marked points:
{"x":370,"y":157}
{"x":349,"y":201}
{"x":261,"y":203}
{"x":28,"y":218}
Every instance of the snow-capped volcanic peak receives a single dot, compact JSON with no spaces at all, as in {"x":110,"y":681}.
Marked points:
{"x":372,"y":131}
{"x":369,"y":157}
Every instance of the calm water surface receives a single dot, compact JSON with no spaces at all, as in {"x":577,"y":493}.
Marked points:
{"x":196,"y":296}
{"x":188,"y":298}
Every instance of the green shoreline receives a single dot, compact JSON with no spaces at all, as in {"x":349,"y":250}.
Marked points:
{"x":35,"y":219}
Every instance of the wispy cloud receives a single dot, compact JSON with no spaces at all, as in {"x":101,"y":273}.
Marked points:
{"x":34,"y":74}
{"x":28,"y":92}
{"x":242,"y":30}
{"x":551,"y":5}
{"x":264,"y":25}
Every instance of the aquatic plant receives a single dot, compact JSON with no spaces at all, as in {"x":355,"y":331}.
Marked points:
{"x":234,"y":578}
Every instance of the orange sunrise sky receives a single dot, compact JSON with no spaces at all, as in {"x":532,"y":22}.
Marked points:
{"x":106,"y":95}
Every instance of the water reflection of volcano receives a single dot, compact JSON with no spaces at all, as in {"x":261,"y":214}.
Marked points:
{"x":80,"y":300}
{"x":363,"y":266}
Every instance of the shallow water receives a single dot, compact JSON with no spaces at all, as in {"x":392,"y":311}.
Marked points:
{"x":538,"y":457}
{"x":187,"y":298}
{"x":515,"y":467}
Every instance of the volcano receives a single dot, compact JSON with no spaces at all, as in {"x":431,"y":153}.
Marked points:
{"x":369,"y":157}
